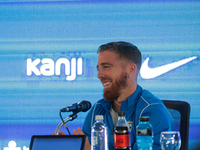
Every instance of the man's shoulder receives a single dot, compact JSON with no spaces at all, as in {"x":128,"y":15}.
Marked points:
{"x":149,"y":98}
{"x":150,"y":105}
{"x":100,"y":101}
{"x":102,"y":104}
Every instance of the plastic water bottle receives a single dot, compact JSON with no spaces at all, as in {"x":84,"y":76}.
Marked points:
{"x":144,"y":134}
{"x":122,"y":133}
{"x":99,"y":140}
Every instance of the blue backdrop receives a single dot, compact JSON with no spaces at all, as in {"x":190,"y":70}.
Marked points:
{"x":37,"y":35}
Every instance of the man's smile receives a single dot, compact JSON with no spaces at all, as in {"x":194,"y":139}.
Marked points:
{"x":106,"y":84}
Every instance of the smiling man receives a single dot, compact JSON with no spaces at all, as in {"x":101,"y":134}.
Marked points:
{"x":118,"y":67}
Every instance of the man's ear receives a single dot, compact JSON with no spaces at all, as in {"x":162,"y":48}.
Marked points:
{"x":131,"y":69}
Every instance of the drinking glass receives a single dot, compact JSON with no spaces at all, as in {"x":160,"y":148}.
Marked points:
{"x":170,"y":140}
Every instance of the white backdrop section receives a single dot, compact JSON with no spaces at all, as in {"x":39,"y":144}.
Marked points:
{"x":165,"y":32}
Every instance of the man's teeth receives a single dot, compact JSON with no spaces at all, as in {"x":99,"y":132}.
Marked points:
{"x":106,"y":83}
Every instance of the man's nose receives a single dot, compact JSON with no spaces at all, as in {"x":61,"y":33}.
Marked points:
{"x":100,"y":74}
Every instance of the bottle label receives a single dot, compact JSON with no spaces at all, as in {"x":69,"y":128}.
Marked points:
{"x":122,"y":140}
{"x":144,"y":132}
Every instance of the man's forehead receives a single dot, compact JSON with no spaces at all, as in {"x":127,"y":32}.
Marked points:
{"x":107,"y":57}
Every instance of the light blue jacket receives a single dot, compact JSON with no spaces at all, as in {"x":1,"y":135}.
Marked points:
{"x":140,"y":103}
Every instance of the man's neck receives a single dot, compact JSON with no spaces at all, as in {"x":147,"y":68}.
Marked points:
{"x":116,"y":106}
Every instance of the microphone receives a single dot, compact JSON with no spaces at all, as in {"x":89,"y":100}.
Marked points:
{"x":77,"y":107}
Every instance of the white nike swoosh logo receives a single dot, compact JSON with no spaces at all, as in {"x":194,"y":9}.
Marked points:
{"x":149,"y":73}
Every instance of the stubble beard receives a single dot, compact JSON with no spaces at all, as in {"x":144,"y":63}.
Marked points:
{"x":114,"y":91}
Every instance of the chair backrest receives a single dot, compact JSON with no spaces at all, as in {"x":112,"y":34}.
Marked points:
{"x":180,"y":112}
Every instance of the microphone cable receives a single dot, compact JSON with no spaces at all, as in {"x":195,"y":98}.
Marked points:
{"x":64,"y":123}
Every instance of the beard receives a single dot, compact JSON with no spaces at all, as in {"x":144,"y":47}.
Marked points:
{"x":114,"y":91}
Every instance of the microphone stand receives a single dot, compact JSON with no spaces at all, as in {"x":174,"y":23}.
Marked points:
{"x":70,"y":118}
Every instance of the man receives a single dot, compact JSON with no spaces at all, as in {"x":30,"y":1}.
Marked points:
{"x":118,"y":68}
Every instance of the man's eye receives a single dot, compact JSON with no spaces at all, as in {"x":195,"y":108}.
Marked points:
{"x":106,"y":67}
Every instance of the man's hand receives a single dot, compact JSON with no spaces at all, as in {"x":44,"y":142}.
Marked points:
{"x":87,"y":143}
{"x":60,"y":133}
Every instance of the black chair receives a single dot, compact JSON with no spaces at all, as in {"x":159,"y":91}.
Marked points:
{"x":180,"y":112}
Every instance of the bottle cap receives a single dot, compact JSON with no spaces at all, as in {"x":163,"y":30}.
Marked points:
{"x":121,"y":114}
{"x":144,"y":118}
{"x":99,"y":117}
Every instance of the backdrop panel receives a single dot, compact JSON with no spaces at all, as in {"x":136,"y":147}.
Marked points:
{"x":36,"y":35}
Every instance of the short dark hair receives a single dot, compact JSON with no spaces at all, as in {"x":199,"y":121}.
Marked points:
{"x":125,"y":50}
